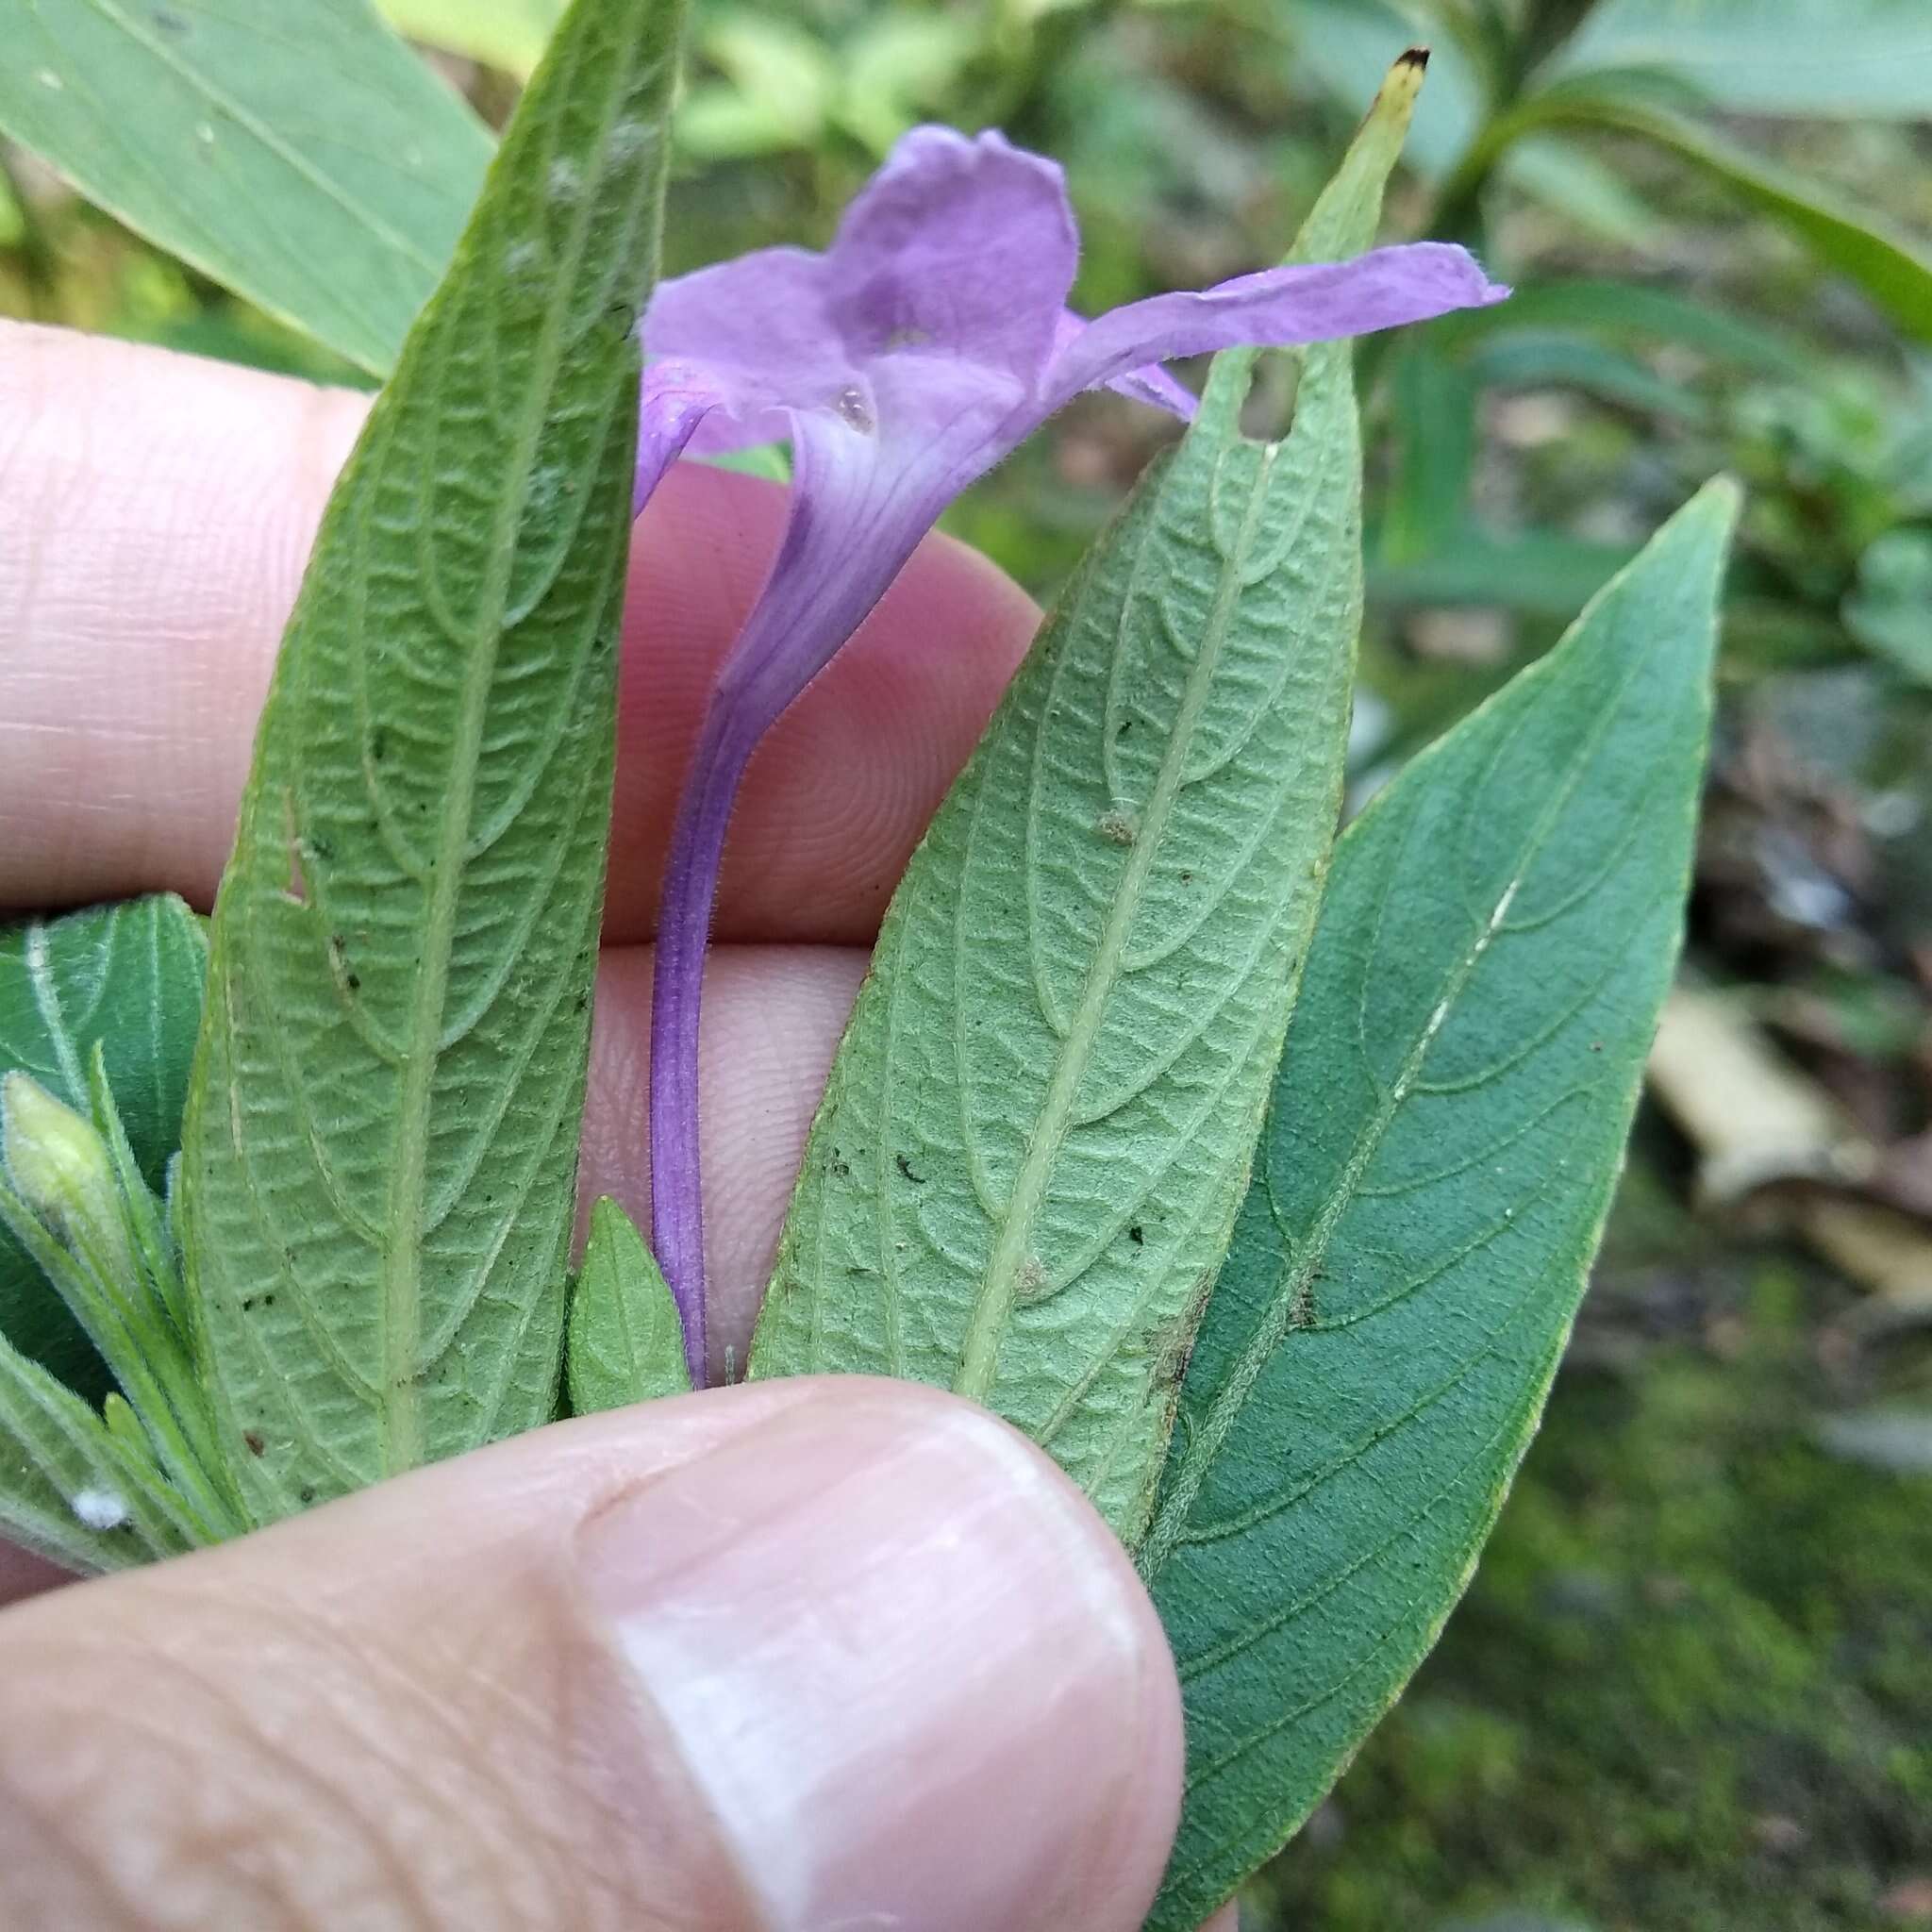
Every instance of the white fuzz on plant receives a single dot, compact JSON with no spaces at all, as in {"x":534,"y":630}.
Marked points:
{"x":100,"y":1509}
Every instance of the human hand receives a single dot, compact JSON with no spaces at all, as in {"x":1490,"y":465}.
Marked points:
{"x":811,"y":1654}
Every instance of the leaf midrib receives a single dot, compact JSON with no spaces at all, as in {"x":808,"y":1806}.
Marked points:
{"x":400,"y":1281}
{"x":1204,"y":1446}
{"x":998,"y":1287}
{"x":290,"y":158}
{"x":40,"y":977}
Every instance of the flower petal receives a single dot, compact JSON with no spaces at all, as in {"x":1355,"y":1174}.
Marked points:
{"x":756,"y":328}
{"x":1151,"y":385}
{"x":1318,"y":302}
{"x":860,"y":507}
{"x":957,"y":248}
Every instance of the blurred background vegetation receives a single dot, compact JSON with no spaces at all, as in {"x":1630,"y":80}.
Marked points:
{"x":1691,"y":1687}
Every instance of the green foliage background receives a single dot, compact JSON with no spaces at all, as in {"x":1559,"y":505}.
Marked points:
{"x":1688,"y":1688}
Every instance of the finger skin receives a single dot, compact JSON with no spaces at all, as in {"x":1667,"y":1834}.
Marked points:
{"x":155,"y":513}
{"x":23,"y":1574}
{"x":806,"y":1654}
{"x":773,"y":1018}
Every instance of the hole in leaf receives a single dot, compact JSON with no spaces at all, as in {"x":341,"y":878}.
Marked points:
{"x":1268,"y":409}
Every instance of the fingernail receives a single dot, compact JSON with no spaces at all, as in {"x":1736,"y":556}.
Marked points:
{"x":912,"y":1675}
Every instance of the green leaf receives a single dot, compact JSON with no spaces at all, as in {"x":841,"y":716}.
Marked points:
{"x":1434,"y":439}
{"x":1587,"y":192}
{"x":381,"y":1135}
{"x":1540,"y":573}
{"x":1459,"y":1076}
{"x":1038,"y":1126}
{"x":1859,"y":58}
{"x":127,"y":978}
{"x":1621,"y":309}
{"x":1889,"y":267}
{"x":509,"y":34}
{"x":297,"y":153}
{"x":1533,"y":360}
{"x":626,"y":1343}
{"x":73,"y":1489}
{"x":779,"y":85}
{"x":1890,"y":611}
{"x":898,"y":67}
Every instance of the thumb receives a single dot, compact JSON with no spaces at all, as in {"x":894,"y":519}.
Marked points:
{"x":813,"y":1653}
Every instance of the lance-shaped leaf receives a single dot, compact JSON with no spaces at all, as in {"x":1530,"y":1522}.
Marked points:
{"x":127,"y":978}
{"x":298,"y":152}
{"x":1495,"y":941}
{"x":381,"y":1137}
{"x":626,"y":1343}
{"x":1890,"y":267}
{"x":1037,"y":1129}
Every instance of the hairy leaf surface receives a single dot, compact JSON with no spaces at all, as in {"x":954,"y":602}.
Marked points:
{"x":626,"y":1343}
{"x":1038,"y":1126}
{"x":382,"y":1139}
{"x":73,"y":1490}
{"x":1495,"y":941}
{"x":294,"y":150}
{"x":130,"y":979}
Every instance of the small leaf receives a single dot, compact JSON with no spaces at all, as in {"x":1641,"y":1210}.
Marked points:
{"x":298,"y":152}
{"x":1038,"y":1124}
{"x":1495,"y":943}
{"x":1889,"y":267}
{"x":626,"y":1343}
{"x":1890,"y":611}
{"x":382,"y":1139}
{"x":1527,"y":359}
{"x":1540,"y":571}
{"x":508,"y":34}
{"x":127,"y":978}
{"x":1621,"y":309}
{"x":1859,"y":58}
{"x":1434,"y":416}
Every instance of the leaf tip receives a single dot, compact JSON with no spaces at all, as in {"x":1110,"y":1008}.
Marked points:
{"x":1722,"y":499}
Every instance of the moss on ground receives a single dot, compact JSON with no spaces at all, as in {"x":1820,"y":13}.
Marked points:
{"x":1691,"y":1686}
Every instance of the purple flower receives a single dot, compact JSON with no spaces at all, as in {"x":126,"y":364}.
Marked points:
{"x":928,"y":342}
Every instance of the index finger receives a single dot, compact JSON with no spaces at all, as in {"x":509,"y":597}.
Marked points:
{"x":155,"y":513}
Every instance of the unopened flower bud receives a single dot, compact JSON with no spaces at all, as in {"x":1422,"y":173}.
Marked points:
{"x":61,"y":1167}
